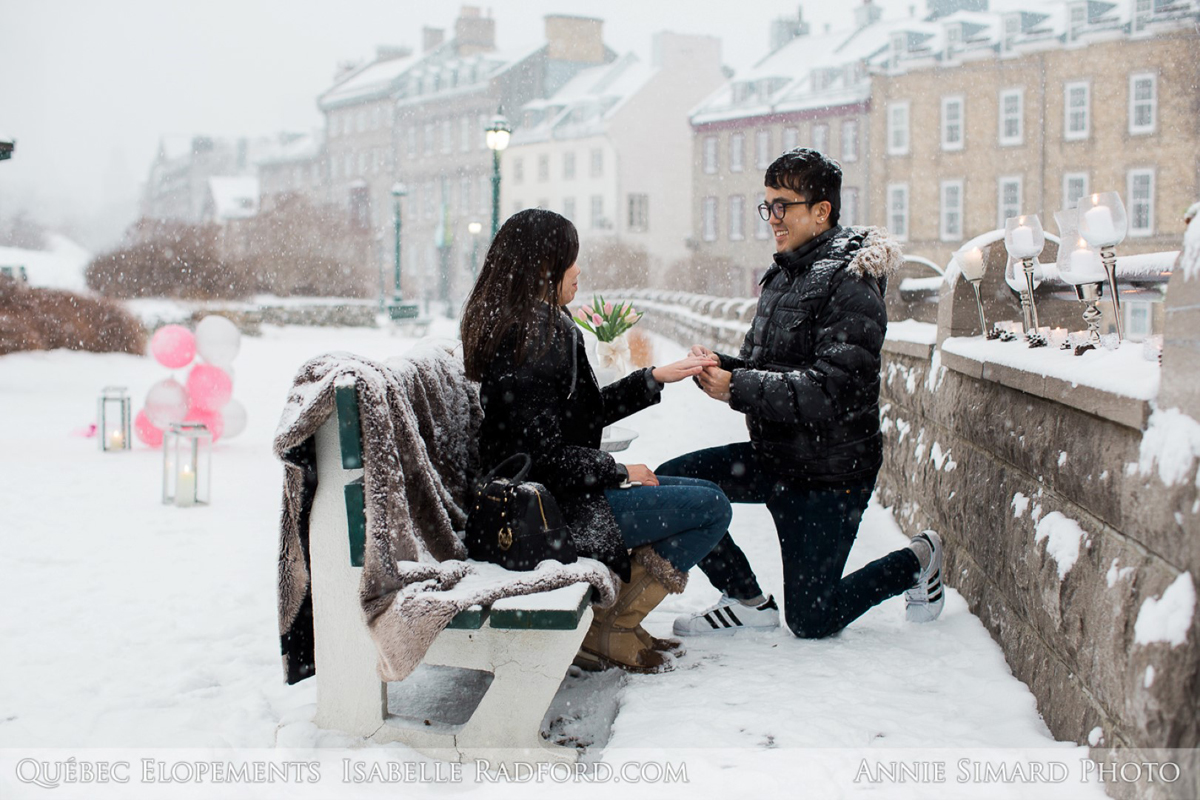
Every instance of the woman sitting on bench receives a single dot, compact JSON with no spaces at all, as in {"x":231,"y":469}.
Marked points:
{"x":540,"y":397}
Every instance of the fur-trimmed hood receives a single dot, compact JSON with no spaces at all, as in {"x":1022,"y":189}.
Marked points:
{"x":879,"y":255}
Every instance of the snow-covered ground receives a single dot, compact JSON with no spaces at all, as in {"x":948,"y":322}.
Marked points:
{"x":128,"y":624}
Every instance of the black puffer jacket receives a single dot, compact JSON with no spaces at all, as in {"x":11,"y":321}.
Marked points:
{"x":552,"y":408}
{"x":807,"y":377}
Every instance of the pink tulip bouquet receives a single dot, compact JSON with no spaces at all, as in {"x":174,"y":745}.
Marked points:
{"x":605,"y":320}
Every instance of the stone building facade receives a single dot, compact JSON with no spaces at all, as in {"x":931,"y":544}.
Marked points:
{"x":611,"y":150}
{"x":979,"y":117}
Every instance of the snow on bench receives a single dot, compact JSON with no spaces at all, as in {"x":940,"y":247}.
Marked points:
{"x":486,"y":683}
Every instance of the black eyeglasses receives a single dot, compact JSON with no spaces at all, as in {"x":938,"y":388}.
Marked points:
{"x":778,"y":208}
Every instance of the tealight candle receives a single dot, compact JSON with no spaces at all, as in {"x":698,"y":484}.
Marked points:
{"x":971,"y":263}
{"x":1022,"y":239}
{"x":116,"y":441}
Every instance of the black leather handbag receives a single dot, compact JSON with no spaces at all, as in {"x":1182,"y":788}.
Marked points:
{"x":516,"y":523}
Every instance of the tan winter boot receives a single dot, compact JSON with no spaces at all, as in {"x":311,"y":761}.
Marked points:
{"x":613,"y":639}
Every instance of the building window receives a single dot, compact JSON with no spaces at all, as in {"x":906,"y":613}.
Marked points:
{"x":897,"y":216}
{"x":568,"y":166}
{"x":411,"y":136}
{"x":544,"y":167}
{"x":639,"y":212}
{"x":849,"y":140}
{"x":1138,"y":319}
{"x":597,"y":211}
{"x":1012,"y":117}
{"x":952,"y":123}
{"x":481,"y":130}
{"x":428,"y":143}
{"x":951,"y":227}
{"x":1008,"y":199}
{"x":597,"y":162}
{"x":1140,"y":191}
{"x":709,"y":219}
{"x":464,"y":135}
{"x":348,"y":169}
{"x":762,"y":149}
{"x":447,"y":136}
{"x":897,"y":141}
{"x":464,"y":195}
{"x":1075,"y":186}
{"x":518,"y":170}
{"x":1077,"y":100}
{"x":430,"y":200}
{"x":737,"y":217}
{"x":737,"y":151}
{"x":569,"y":208}
{"x":710,"y":155}
{"x":791,"y":139}
{"x":849,"y":212}
{"x":364,"y":162}
{"x":820,"y":138}
{"x":485,"y":194}
{"x":1143,"y":103}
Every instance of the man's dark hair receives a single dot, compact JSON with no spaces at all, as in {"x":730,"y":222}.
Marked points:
{"x":810,"y":174}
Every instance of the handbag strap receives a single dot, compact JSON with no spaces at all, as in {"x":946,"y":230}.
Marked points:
{"x":501,"y":469}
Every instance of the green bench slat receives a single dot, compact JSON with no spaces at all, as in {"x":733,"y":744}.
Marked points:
{"x":471,"y":619}
{"x":557,"y":619}
{"x":349,"y":429}
{"x":356,"y":521}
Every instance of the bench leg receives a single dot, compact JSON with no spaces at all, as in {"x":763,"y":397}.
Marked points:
{"x":528,"y":666}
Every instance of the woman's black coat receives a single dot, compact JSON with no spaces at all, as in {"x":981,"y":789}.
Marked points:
{"x":551,"y":408}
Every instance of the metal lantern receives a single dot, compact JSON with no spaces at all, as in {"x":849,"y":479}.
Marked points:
{"x":970,"y":263}
{"x":187,"y":460}
{"x":113,"y":420}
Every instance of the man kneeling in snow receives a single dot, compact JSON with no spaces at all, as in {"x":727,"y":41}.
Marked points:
{"x":807,"y":379}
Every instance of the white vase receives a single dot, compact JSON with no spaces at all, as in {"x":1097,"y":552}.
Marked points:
{"x":604,"y":375}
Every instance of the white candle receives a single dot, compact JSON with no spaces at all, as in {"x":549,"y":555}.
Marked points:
{"x":1101,"y":230}
{"x":116,"y":441}
{"x":971,"y":263}
{"x":185,"y":488}
{"x":1085,"y":267}
{"x":1022,"y":239}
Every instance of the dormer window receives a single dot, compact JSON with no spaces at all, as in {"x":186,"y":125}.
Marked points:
{"x":899,"y":46}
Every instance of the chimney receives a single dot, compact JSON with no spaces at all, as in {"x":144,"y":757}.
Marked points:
{"x":343,"y":69}
{"x":867,"y":14}
{"x":578,"y":39}
{"x":936,"y":9}
{"x":784,"y":29}
{"x":474,"y":33}
{"x":431,"y":38}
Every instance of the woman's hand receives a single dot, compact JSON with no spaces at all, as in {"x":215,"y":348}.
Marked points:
{"x":640,"y":473}
{"x":701,"y":350}
{"x":688,"y":367}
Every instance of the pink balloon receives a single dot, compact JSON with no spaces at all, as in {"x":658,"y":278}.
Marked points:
{"x":209,"y":387}
{"x":146,"y":431}
{"x":173,"y":346}
{"x":209,"y":419}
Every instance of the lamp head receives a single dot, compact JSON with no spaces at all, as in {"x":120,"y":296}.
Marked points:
{"x":399,"y":190}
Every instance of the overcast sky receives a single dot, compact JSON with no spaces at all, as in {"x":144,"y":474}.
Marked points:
{"x":87,"y":87}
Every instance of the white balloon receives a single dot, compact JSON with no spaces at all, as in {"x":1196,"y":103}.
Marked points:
{"x":235,"y":419}
{"x":166,"y":402}
{"x":218,"y":340}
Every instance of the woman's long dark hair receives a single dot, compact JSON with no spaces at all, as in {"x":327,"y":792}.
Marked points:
{"x":523,"y":269}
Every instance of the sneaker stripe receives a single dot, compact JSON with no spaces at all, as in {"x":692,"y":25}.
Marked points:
{"x":933,"y":598}
{"x":721,"y":617}
{"x":708,"y":618}
{"x":729,"y":613}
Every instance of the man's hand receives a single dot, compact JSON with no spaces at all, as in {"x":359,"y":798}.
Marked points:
{"x":640,"y":473}
{"x":715,"y":383}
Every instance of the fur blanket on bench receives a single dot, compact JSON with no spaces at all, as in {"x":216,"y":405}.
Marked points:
{"x":420,"y":416}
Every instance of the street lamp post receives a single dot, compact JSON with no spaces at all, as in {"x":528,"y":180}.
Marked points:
{"x":475,"y":228}
{"x":498,"y":134}
{"x":399,"y":309}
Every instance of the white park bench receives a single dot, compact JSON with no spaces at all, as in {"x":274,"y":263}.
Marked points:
{"x":485,"y":684}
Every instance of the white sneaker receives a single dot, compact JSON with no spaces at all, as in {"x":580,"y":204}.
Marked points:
{"x":925,"y":601}
{"x":729,"y":616}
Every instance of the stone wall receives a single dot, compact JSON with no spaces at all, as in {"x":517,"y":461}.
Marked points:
{"x":1016,"y":469}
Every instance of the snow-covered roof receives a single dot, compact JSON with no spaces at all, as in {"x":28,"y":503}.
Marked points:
{"x":375,"y":79}
{"x":233,"y":197}
{"x":61,"y":266}
{"x":293,"y":148}
{"x":585,"y":103}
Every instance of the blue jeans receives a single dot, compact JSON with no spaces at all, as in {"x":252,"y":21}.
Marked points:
{"x":683,"y":518}
{"x":817,"y":525}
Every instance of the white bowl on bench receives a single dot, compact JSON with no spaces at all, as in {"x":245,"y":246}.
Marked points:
{"x":615,"y":438}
